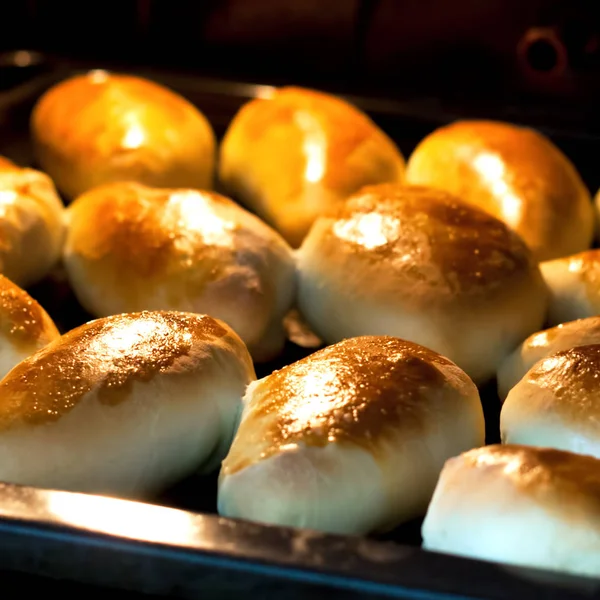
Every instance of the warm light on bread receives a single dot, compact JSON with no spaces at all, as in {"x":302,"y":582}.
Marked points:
{"x":582,"y":332}
{"x":32,"y":225}
{"x":523,"y":506}
{"x":103,"y":127}
{"x":123,"y":406}
{"x":574,"y":284}
{"x":350,"y":439}
{"x":295,"y":155}
{"x":131,"y":247}
{"x":514,"y":173}
{"x":25,"y":326}
{"x":421,"y":265}
{"x":557,"y":403}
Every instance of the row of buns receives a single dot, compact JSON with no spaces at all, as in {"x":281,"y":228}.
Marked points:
{"x":423,"y":279}
{"x":358,"y":437}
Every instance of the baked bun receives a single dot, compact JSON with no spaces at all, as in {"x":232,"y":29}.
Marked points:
{"x":32,"y":225}
{"x":350,"y":439}
{"x":582,"y":332}
{"x":24,"y":326}
{"x":419,"y":264}
{"x":103,"y":127}
{"x":514,"y":173}
{"x":528,"y":507}
{"x":294,"y":155}
{"x":131,"y":247}
{"x":124,"y":406}
{"x":574,"y":285}
{"x":557,"y":403}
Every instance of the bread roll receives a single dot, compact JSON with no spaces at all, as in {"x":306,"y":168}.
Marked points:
{"x":131,"y":247}
{"x":528,"y":507}
{"x":32,"y":226}
{"x":124,"y":406}
{"x":103,"y":127}
{"x":574,"y":285}
{"x":350,"y":439}
{"x":421,"y":265}
{"x":294,"y":155}
{"x":557,"y":403}
{"x":514,"y":173}
{"x":24,"y":326}
{"x":542,"y":344}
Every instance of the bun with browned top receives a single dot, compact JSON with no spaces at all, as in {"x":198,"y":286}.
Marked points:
{"x":32,"y":225}
{"x":103,"y":127}
{"x":298,"y":153}
{"x":574,"y":285}
{"x":565,"y":336}
{"x":131,"y":247}
{"x":557,"y":403}
{"x":420,"y":264}
{"x":514,"y":173}
{"x":25,"y":326}
{"x":125,"y":405}
{"x":523,"y":506}
{"x":350,"y":439}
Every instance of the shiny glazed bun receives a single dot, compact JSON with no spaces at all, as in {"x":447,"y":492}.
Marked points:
{"x":32,"y":226}
{"x":514,"y":173}
{"x":529,"y":507}
{"x":295,"y":155}
{"x":103,"y":127}
{"x":351,"y":439}
{"x":582,"y":332}
{"x":421,"y":265}
{"x":131,"y":247}
{"x":557,"y":403}
{"x":574,"y":284}
{"x":123,"y":406}
{"x":24,"y":326}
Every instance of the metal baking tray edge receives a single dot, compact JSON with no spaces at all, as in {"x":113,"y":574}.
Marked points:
{"x":164,"y":551}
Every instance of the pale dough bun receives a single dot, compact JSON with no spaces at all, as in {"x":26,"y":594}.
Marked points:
{"x":103,"y":127}
{"x":574,"y":285}
{"x":32,"y":225}
{"x":131,"y":247}
{"x":518,"y":505}
{"x":514,"y":173}
{"x":419,"y":264}
{"x":557,"y":403}
{"x":293,"y":156}
{"x":124,"y":406}
{"x":581,"y":332}
{"x":25,"y":326}
{"x":350,"y":439}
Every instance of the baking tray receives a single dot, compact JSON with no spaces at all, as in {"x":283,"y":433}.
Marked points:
{"x":178,"y":546}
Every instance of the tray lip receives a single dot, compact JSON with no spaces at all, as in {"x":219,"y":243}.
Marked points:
{"x":28,"y":524}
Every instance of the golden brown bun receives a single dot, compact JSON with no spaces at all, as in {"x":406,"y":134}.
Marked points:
{"x":419,"y":264}
{"x":103,"y":127}
{"x":24,"y":325}
{"x":515,"y":174}
{"x":295,"y":155}
{"x":125,"y":405}
{"x":131,"y":247}
{"x":375,"y":410}
{"x":32,"y":226}
{"x":532,"y":507}
{"x":574,"y":284}
{"x":581,"y":332}
{"x":557,"y":403}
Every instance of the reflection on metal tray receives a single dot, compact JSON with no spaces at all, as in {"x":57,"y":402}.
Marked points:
{"x":65,"y":535}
